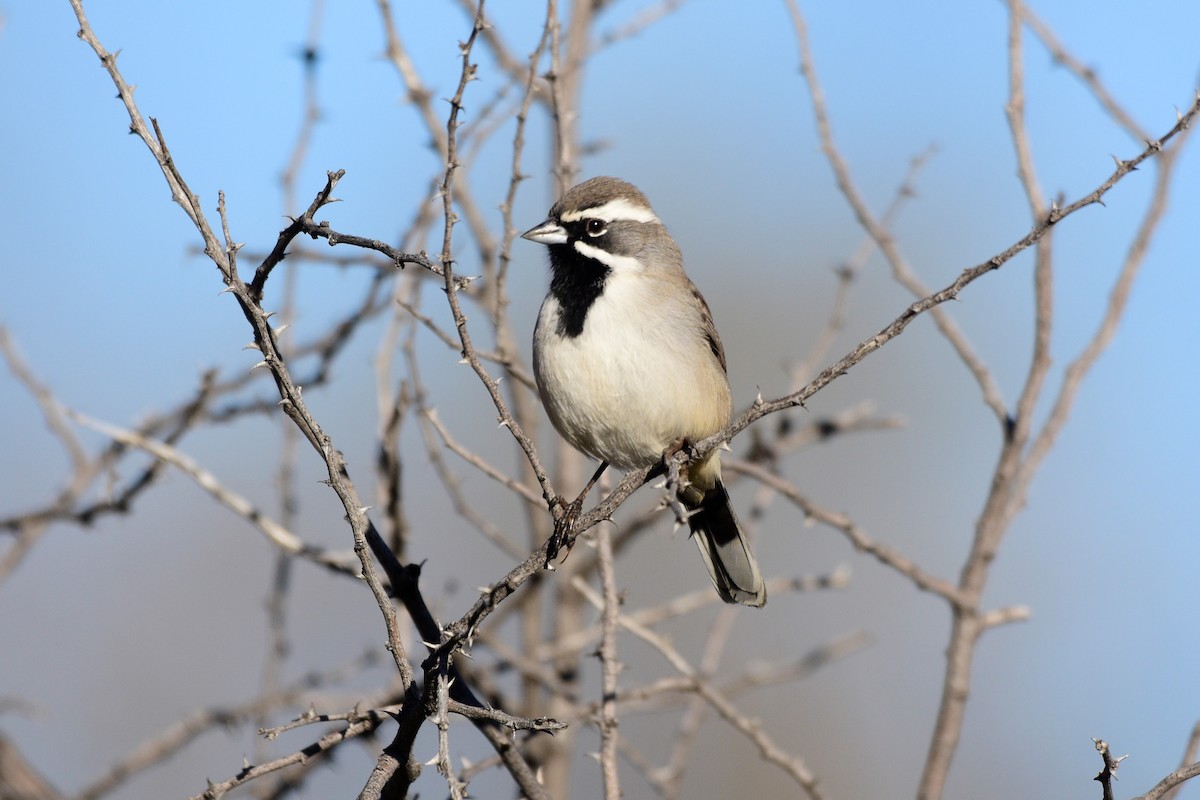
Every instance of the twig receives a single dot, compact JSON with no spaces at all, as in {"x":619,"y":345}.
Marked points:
{"x":1189,"y":756}
{"x":1109,"y":773}
{"x":750,"y":728}
{"x":848,"y":272}
{"x":474,"y":459}
{"x":661,"y":694}
{"x":697,"y":708}
{"x":610,"y":667}
{"x":640,"y":22}
{"x":1170,"y":782}
{"x":511,"y":367}
{"x":177,"y":736}
{"x":950,"y":292}
{"x":277,"y":534}
{"x":1085,"y":74}
{"x":1019,"y":460}
{"x":468,"y":348}
{"x":879,"y":233}
{"x":441,"y":719}
{"x":584,"y":637}
{"x":435,"y":440}
{"x":51,"y":409}
{"x":840,"y":522}
{"x":264,"y":338}
{"x":318,"y":748}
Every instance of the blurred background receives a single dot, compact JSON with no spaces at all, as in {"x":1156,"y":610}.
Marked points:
{"x":109,"y":634}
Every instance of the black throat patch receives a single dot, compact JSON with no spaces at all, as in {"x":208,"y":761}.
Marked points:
{"x":576,"y":282}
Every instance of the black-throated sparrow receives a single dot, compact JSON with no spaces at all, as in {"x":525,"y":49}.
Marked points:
{"x":629,"y":364}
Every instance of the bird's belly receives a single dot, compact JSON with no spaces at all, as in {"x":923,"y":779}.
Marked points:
{"x":620,"y":392}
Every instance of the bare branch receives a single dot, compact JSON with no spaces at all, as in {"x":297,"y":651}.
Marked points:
{"x":1084,"y":73}
{"x":172,"y":740}
{"x":949,"y":292}
{"x":1170,"y":782}
{"x":609,"y":665}
{"x":879,"y":233}
{"x":277,"y":534}
{"x":1189,"y":757}
{"x":750,"y":728}
{"x":266,"y":342}
{"x":840,"y":522}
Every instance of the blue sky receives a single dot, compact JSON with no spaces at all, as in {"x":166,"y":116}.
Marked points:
{"x":707,"y":113}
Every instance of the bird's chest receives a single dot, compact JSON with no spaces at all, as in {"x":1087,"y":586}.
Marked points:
{"x":622,"y":389}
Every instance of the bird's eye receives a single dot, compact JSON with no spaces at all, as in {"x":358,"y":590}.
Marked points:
{"x":596,"y":227}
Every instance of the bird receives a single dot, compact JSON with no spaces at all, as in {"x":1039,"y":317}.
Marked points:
{"x":629,"y":365}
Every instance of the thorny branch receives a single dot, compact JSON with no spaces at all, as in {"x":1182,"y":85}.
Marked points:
{"x":443,"y":690}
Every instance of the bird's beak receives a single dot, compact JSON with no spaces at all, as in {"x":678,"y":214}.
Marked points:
{"x":548,"y":232}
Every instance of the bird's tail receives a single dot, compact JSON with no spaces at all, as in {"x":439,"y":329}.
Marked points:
{"x":725,"y":551}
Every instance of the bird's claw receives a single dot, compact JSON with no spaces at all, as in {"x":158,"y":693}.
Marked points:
{"x":565,"y":515}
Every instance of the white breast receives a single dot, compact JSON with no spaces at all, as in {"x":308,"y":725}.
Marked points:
{"x":638,"y":378}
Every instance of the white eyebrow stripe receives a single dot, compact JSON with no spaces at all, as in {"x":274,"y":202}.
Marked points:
{"x":613,"y":210}
{"x":611,"y":260}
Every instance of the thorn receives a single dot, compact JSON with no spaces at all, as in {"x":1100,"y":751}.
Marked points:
{"x":364,"y":509}
{"x":259,"y":364}
{"x":268,"y":314}
{"x":226,"y":290}
{"x":282,"y":328}
{"x":252,"y":346}
{"x":464,"y":360}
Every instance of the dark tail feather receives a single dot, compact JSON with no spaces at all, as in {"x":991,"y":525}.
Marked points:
{"x":726,"y":554}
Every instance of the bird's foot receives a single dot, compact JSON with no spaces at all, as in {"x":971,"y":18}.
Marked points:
{"x":565,"y":515}
{"x":682,"y":497}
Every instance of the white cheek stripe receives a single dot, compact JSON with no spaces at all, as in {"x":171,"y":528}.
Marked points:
{"x":614,"y":262}
{"x":613,"y":210}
